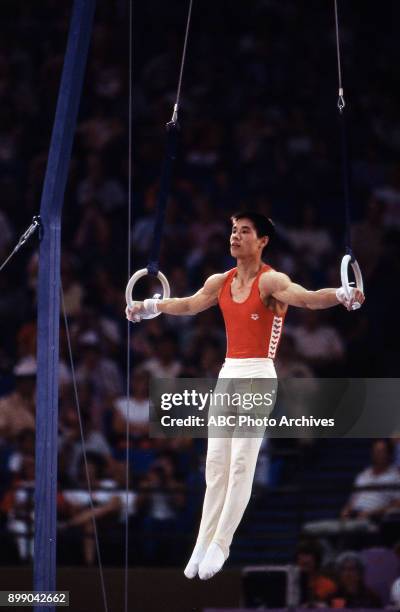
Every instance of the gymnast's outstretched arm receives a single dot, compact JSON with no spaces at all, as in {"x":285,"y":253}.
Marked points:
{"x":280,"y":287}
{"x":206,"y":297}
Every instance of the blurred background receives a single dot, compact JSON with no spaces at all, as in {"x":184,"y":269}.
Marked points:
{"x":259,"y":130}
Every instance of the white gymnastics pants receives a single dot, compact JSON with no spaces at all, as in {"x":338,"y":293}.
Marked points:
{"x":230,"y":466}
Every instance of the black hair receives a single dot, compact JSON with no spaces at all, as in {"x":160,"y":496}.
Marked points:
{"x":263,"y":225}
{"x":310,"y":547}
{"x":388,"y":444}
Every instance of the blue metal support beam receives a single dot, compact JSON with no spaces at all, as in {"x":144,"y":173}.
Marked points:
{"x":49,"y":296}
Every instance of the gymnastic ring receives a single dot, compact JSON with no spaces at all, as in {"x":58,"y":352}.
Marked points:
{"x":344,"y":275}
{"x":134,"y":279}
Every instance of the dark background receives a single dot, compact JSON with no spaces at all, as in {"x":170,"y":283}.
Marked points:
{"x":259,"y":130}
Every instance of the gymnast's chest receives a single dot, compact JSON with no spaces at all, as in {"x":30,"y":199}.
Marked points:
{"x":242,"y":293}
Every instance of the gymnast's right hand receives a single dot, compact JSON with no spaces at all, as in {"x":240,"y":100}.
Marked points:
{"x":134,"y":314}
{"x":143,"y":310}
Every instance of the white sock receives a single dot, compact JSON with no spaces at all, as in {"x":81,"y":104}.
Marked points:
{"x":197,"y":556}
{"x":212,"y":562}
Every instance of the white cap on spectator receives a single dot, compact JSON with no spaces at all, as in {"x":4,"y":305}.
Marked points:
{"x":27,"y":366}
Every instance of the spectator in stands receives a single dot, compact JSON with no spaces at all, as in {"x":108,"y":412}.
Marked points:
{"x":204,"y":331}
{"x":289,"y":364}
{"x":93,"y":236}
{"x":352,"y":591}
{"x":311,"y":242}
{"x":395,"y":595}
{"x":73,"y":290}
{"x":24,"y":447}
{"x":74,"y":505}
{"x":102,"y":373}
{"x":317,"y":586}
{"x":96,"y":185}
{"x":372,"y":505}
{"x":164,"y":363}
{"x":138,"y":410}
{"x":26,"y":340}
{"x":70,"y":443}
{"x":17,"y":410}
{"x":18,"y":505}
{"x":204,"y":225}
{"x":319,"y":344}
{"x":162,"y":498}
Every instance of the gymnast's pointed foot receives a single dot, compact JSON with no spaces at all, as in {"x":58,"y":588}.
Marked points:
{"x":197,"y":556}
{"x":212,"y":563}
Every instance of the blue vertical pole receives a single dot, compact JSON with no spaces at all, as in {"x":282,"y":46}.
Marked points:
{"x":44,"y":568}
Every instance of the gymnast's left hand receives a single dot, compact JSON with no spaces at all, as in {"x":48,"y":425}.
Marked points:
{"x":356,"y":297}
{"x":134,"y":314}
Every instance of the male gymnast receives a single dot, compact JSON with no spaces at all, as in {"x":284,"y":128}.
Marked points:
{"x":254,"y":299}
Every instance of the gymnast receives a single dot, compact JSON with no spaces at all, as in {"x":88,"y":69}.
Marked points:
{"x":254,"y":299}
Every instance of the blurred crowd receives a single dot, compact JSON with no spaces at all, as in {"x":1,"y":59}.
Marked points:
{"x":369,"y":523}
{"x":259,"y":130}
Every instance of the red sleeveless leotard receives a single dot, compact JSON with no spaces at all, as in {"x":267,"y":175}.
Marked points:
{"x":252,"y":329}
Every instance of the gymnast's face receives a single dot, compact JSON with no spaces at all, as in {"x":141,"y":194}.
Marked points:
{"x":244,"y":241}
